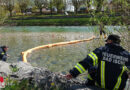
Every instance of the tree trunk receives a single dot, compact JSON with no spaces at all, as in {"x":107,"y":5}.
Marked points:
{"x":10,"y":13}
{"x":76,"y":10}
{"x":51,"y":10}
{"x":40,"y":10}
{"x":59,"y":11}
{"x":51,"y":7}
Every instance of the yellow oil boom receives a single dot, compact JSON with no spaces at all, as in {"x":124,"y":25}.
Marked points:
{"x":27,"y":52}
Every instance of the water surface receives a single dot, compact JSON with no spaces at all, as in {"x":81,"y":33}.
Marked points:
{"x":60,"y":58}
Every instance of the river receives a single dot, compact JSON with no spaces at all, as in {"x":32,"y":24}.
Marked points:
{"x":62,"y":58}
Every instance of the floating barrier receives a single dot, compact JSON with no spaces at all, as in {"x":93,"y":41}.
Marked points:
{"x":27,"y":52}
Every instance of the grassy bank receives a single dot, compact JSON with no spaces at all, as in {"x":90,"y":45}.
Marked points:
{"x":76,"y":21}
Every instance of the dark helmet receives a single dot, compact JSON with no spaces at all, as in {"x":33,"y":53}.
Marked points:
{"x":4,"y":46}
{"x":114,"y":38}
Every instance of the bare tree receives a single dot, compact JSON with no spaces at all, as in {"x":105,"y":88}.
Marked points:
{"x":0,"y":10}
{"x":59,"y":4}
{"x":77,"y":4}
{"x":64,"y":4}
{"x":121,"y":6}
{"x":40,"y":4}
{"x":51,"y":5}
{"x":9,"y":5}
{"x":87,"y":3}
{"x":23,"y":4}
{"x":99,"y":5}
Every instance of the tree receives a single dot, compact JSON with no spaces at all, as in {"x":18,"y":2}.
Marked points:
{"x":59,"y":4}
{"x":87,"y":3}
{"x":0,"y":10}
{"x":23,"y":4}
{"x":40,"y":4}
{"x":99,"y":5}
{"x":77,"y":4}
{"x":121,"y":6}
{"x":51,"y":5}
{"x":9,"y":5}
{"x":64,"y":4}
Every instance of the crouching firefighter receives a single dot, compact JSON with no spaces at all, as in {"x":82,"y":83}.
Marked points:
{"x":3,"y":54}
{"x":107,"y":66}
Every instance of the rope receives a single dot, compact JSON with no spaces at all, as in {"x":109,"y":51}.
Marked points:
{"x":25,"y":53}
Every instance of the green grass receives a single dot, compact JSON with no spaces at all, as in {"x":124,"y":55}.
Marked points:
{"x":65,"y":21}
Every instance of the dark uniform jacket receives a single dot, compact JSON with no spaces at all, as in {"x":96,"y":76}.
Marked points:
{"x":3,"y":54}
{"x":107,"y":66}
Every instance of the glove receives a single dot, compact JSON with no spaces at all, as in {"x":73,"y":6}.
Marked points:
{"x":68,"y":76}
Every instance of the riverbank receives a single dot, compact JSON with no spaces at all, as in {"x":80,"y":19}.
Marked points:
{"x":23,"y":76}
{"x":78,"y":20}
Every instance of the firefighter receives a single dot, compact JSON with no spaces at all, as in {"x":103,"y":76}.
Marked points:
{"x":107,"y":66}
{"x":3,"y":54}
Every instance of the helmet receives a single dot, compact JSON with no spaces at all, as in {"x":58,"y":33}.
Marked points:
{"x":115,"y":38}
{"x":4,"y":46}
